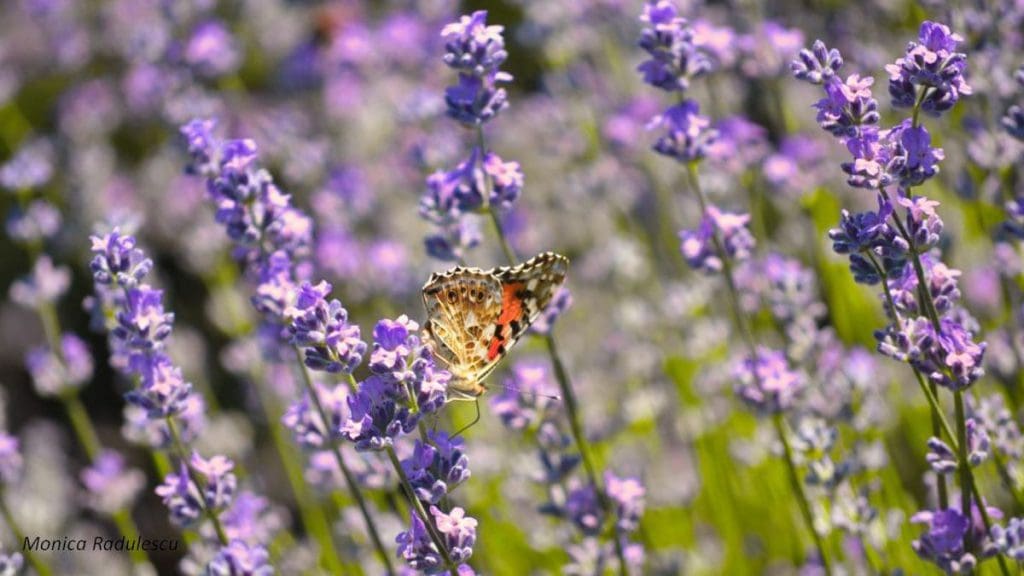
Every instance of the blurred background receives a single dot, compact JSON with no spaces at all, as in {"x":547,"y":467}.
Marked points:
{"x":346,"y":102}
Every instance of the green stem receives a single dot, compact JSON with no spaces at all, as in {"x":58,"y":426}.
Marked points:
{"x":350,"y":480}
{"x":748,"y":337}
{"x":313,"y":517}
{"x":126,"y":526}
{"x":930,"y":390}
{"x":798,"y":489}
{"x":572,"y":410}
{"x":40,"y":566}
{"x":179,"y":445}
{"x":965,"y":466}
{"x":418,"y":507}
{"x":82,"y":424}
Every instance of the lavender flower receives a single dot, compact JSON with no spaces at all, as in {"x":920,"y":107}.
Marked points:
{"x":31,"y":166}
{"x":211,"y":50}
{"x":583,"y":508}
{"x":687,"y":135}
{"x":39,"y":221}
{"x":524,"y":400}
{"x":303,"y":419}
{"x":1010,"y":539}
{"x":437,"y":466}
{"x":219,"y":483}
{"x":669,"y":40}
{"x":202,"y":147}
{"x":627,"y":495}
{"x":181,"y":497}
{"x":923,"y":223}
{"x":766,"y":383}
{"x":377,"y":415}
{"x":848,"y":110}
{"x":458,"y":531}
{"x":11,"y":463}
{"x":322,"y":330}
{"x":698,"y":246}
{"x":240,"y":559}
{"x":118,"y":260}
{"x":451,"y":194}
{"x":110,"y":485}
{"x":914,"y":161}
{"x":476,"y":51}
{"x":933,"y":65}
{"x":44,"y":286}
{"x":53,"y":375}
{"x":867,"y":233}
{"x":817,"y":65}
{"x":472,"y":47}
{"x":142,"y":324}
{"x":941,"y":457}
{"x":943,"y":544}
{"x":475,"y":100}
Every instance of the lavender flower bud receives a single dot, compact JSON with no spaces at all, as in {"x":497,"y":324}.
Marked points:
{"x":978,"y":443}
{"x":687,"y":134}
{"x":699,"y":246}
{"x":303,"y":419}
{"x":942,"y":544}
{"x":941,"y":457}
{"x":52,"y":375}
{"x":668,"y":39}
{"x":117,"y":260}
{"x":437,"y":467}
{"x":329,"y":342}
{"x":818,"y":64}
{"x":44,"y":285}
{"x":39,"y":221}
{"x":1010,"y":539}
{"x":11,"y":463}
{"x":627,"y":497}
{"x":239,"y":558}
{"x":110,"y":485}
{"x":932,"y":64}
{"x":766,"y":383}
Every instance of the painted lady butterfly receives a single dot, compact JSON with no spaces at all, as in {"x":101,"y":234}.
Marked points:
{"x":475,"y":316}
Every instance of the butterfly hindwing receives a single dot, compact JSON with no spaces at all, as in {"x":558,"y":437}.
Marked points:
{"x":475,"y":316}
{"x":462,"y":307}
{"x":527,"y":289}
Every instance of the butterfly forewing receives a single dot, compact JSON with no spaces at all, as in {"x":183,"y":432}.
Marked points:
{"x":475,"y":316}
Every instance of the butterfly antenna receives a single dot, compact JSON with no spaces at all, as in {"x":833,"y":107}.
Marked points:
{"x":473,"y":423}
{"x":513,"y":388}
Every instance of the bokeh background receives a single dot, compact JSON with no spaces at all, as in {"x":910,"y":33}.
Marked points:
{"x":346,"y":102}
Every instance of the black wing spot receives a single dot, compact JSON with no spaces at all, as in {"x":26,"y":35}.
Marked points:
{"x":514,"y":325}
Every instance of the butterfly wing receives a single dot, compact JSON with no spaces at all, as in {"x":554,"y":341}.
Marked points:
{"x":462,"y":307}
{"x":475,"y":316}
{"x":527,"y":289}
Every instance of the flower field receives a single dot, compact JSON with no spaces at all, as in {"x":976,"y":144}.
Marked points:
{"x":517,"y":287}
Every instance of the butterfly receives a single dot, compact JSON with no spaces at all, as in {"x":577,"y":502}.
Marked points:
{"x":475,"y":316}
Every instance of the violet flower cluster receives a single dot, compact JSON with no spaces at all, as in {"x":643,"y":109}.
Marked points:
{"x":898,"y":246}
{"x":526,"y":405}
{"x":881,"y":244}
{"x":201,"y":488}
{"x":484,"y":181}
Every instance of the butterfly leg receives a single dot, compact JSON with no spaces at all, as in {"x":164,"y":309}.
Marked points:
{"x":475,"y":420}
